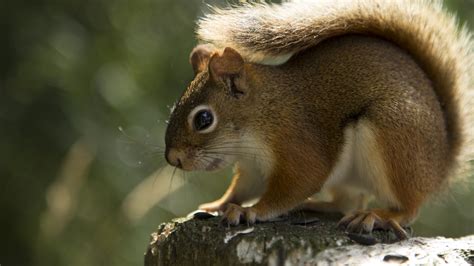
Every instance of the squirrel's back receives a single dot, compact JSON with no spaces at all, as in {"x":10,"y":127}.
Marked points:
{"x":271,"y":34}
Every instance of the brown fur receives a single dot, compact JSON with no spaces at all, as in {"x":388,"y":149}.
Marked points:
{"x":261,"y":32}
{"x":400,"y":77}
{"x":338,"y":82}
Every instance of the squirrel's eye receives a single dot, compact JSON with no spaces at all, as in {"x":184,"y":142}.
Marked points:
{"x":203,"y":119}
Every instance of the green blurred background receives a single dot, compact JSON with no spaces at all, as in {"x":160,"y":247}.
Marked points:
{"x":76,"y":190}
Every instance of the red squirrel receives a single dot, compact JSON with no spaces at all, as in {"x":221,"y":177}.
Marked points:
{"x":357,"y":98}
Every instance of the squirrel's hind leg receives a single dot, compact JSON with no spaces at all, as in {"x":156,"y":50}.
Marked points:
{"x":408,"y":166}
{"x":366,"y":221}
{"x":372,"y":164}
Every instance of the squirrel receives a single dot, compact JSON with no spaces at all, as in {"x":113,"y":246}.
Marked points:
{"x":358,"y":99}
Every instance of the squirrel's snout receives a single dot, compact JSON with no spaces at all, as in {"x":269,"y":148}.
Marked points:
{"x":175,"y":157}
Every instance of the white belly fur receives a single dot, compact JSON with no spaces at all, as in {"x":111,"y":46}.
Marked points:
{"x":360,"y":166}
{"x":254,"y":167}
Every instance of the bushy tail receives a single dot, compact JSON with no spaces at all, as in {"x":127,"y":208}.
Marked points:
{"x":265,"y":33}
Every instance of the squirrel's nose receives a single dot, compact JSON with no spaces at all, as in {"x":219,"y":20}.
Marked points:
{"x":175,"y":157}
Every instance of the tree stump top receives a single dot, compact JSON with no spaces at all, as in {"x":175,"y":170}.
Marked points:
{"x":301,"y":238}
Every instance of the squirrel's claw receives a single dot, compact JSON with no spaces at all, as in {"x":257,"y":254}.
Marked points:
{"x":235,"y":214}
{"x":366,"y":221}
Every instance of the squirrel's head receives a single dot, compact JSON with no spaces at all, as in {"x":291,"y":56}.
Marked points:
{"x":204,"y":128}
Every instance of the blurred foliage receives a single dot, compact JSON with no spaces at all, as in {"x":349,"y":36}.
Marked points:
{"x":75,"y":190}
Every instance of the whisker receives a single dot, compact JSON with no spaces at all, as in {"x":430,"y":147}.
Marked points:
{"x":185,"y":177}
{"x":156,"y":177}
{"x":223,"y":142}
{"x":233,"y":144}
{"x":231,"y":153}
{"x":212,"y":158}
{"x":205,"y":161}
{"x":233,"y":148}
{"x":153,"y":153}
{"x":217,"y":142}
{"x":209,"y":159}
{"x":237,"y":153}
{"x":157,"y":148}
{"x":133,"y":140}
{"x":171,"y":181}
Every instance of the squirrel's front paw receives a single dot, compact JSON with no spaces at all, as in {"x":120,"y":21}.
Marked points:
{"x":215,"y":206}
{"x":235,"y":214}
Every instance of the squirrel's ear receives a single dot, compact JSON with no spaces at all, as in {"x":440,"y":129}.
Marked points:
{"x":199,"y":57}
{"x":228,"y":63}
